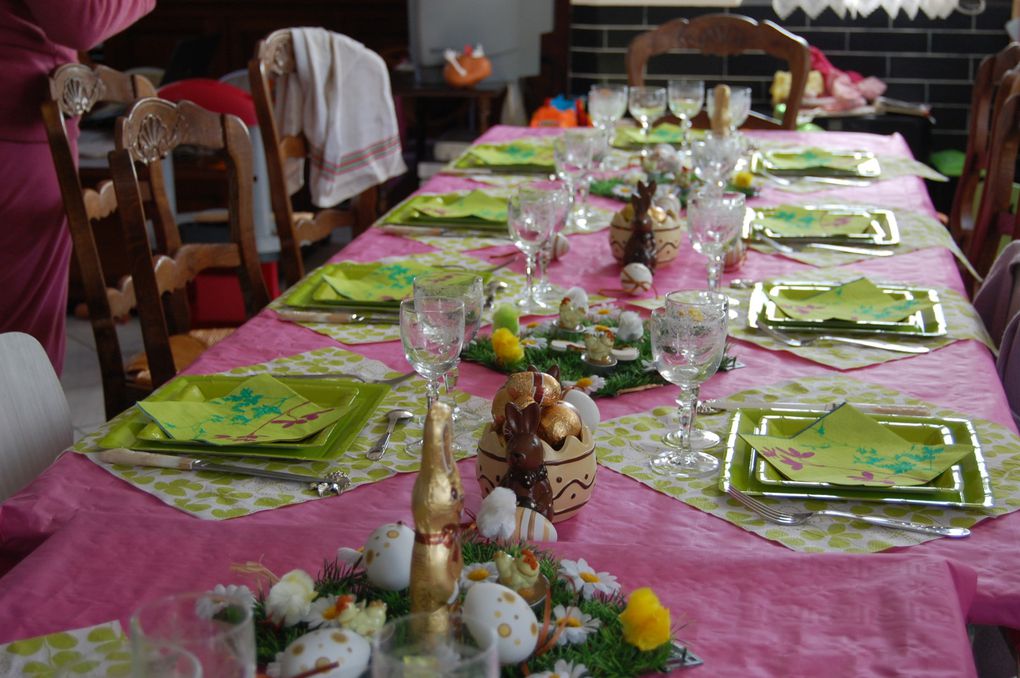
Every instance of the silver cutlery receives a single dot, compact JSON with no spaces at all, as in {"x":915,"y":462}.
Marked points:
{"x":441,"y":231}
{"x":787,"y":249}
{"x":393,"y":417}
{"x":714,"y":406}
{"x":339,"y":318}
{"x":774,"y":515}
{"x":491,"y":290}
{"x":870,"y":343}
{"x":332,"y":483}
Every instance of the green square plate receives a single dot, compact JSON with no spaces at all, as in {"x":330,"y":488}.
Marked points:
{"x":302,"y":295}
{"x":882,"y":229}
{"x":966,"y":484}
{"x":401,"y":215}
{"x":465,"y":164}
{"x":865,"y":165}
{"x":928,"y":322}
{"x":327,"y":444}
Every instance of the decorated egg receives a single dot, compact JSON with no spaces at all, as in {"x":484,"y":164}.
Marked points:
{"x":558,"y":421}
{"x":318,"y":649}
{"x":560,"y":246}
{"x":636,"y":279}
{"x":585,"y":406}
{"x":530,"y":525}
{"x":495,"y":607}
{"x":388,"y":556}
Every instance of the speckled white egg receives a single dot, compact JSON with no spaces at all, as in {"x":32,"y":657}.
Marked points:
{"x":585,"y":406}
{"x":324,"y":647}
{"x":636,"y":279}
{"x":388,"y":556}
{"x":505,"y":612}
{"x":560,"y":246}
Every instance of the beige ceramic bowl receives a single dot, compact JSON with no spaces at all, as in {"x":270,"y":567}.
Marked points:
{"x":667,"y":232}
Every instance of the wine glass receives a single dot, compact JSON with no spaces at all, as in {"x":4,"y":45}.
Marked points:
{"x":686,"y":98}
{"x":573,"y":152}
{"x":740,"y":106}
{"x":714,"y":158}
{"x":646,"y":104}
{"x":215,"y":629}
{"x":412,"y":646}
{"x":688,"y":337}
{"x":152,"y":659}
{"x":714,"y":221}
{"x":529,"y":225}
{"x":606,"y":104}
{"x":432,"y":332}
{"x":557,"y":206}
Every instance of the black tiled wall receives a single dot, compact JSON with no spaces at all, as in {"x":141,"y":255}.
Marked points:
{"x":921,"y":60}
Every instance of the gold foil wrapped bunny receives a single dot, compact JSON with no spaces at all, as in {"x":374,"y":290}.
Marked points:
{"x":436,"y":504}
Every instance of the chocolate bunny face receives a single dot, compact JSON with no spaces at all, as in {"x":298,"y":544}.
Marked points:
{"x":524,"y":447}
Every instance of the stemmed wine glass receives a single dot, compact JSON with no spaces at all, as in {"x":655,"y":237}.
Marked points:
{"x":714,"y":158}
{"x":714,"y":221}
{"x":740,"y":106}
{"x":606,"y":105}
{"x":646,"y":104}
{"x":557,"y":206}
{"x":529,"y":225}
{"x":432,"y":332}
{"x":686,"y":98}
{"x":688,"y":337}
{"x":573,"y":152}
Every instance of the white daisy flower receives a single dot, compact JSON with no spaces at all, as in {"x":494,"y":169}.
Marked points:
{"x":207,"y":607}
{"x":290,"y":599}
{"x":563,"y":669}
{"x":589,"y":384}
{"x":331,"y":611}
{"x":535,"y":342}
{"x":603,"y":312}
{"x":576,"y":625}
{"x":586,"y":580}
{"x":478,"y":573}
{"x":535,"y":327}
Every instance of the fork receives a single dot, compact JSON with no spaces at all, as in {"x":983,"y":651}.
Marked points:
{"x":871,"y":343}
{"x":786,"y":249}
{"x":778,"y":517}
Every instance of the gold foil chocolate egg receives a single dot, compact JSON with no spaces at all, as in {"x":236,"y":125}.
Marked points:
{"x":524,"y":387}
{"x":559,"y":421}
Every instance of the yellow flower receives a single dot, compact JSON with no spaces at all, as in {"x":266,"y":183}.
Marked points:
{"x":645,"y":621}
{"x":743,"y":179}
{"x":507,"y":346}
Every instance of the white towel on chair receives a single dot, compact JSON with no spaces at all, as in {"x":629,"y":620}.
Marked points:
{"x":341,"y":102}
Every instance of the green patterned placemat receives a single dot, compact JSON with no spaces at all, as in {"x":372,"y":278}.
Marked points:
{"x":917,"y":231}
{"x":625,"y":444}
{"x":100,"y":650}
{"x":217,"y":496}
{"x":366,"y":333}
{"x":962,"y":322}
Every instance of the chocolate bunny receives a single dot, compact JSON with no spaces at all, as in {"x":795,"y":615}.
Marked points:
{"x":525,"y":458}
{"x":641,"y":247}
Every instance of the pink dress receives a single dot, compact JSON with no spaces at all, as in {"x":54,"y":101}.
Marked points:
{"x":36,"y":36}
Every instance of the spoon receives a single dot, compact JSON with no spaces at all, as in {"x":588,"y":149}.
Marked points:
{"x":394,"y":417}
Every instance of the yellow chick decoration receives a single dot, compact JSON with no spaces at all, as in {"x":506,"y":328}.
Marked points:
{"x":517,"y":573}
{"x":368,"y":620}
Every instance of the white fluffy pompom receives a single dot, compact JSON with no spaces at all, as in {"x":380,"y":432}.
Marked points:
{"x":497,"y":519}
{"x":578,"y":297}
{"x":630,"y":327}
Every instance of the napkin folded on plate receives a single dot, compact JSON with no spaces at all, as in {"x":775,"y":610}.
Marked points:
{"x":470,"y":208}
{"x":510,"y":154}
{"x":259,"y":410}
{"x":809,"y":158}
{"x":373,"y":282}
{"x":666,"y":133}
{"x":792,"y":221}
{"x":847,"y":447}
{"x":859,"y":300}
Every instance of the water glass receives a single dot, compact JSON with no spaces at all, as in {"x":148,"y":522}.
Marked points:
{"x":432,"y":332}
{"x":688,"y":338}
{"x":412,"y":647}
{"x":714,"y":158}
{"x":151,"y":659}
{"x":574,"y":153}
{"x":215,"y":629}
{"x":740,"y":106}
{"x":530,"y":225}
{"x":686,"y":97}
{"x":714,"y":221}
{"x":557,"y":206}
{"x":646,"y":104}
{"x":606,"y":104}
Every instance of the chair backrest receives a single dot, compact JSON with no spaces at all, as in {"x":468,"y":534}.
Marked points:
{"x":725,"y":35}
{"x":35,"y":421}
{"x":274,"y":59}
{"x":74,"y":90}
{"x":997,"y":218}
{"x":987,"y":97}
{"x":998,"y":299}
{"x":150,"y":130}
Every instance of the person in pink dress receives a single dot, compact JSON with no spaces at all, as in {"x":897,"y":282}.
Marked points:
{"x":36,"y":36}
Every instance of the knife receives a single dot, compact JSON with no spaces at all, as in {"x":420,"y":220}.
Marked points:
{"x":339,"y":318}
{"x":787,"y":249}
{"x":868,"y":408}
{"x":334,"y":483}
{"x":441,"y":231}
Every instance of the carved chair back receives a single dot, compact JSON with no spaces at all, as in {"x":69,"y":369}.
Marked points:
{"x":725,"y":35}
{"x":75,"y":89}
{"x":274,"y":59}
{"x":150,"y":130}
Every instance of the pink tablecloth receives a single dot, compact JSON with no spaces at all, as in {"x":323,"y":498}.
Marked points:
{"x":746,"y":595}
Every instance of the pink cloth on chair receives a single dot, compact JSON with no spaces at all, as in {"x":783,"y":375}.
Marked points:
{"x":995,"y":298}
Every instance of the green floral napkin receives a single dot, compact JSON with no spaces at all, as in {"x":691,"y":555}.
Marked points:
{"x":520,"y":154}
{"x":792,"y":221}
{"x":666,"y":133}
{"x":856,"y":301}
{"x":810,"y":158}
{"x":374,"y":282}
{"x":259,"y":410}
{"x":101,"y":650}
{"x":476,"y":209}
{"x":848,"y":447}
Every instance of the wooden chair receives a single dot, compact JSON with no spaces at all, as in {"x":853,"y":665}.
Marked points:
{"x":150,"y":130}
{"x":725,"y":35}
{"x":74,"y":90}
{"x":987,"y":98}
{"x":274,"y":58}
{"x":997,"y":219}
{"x":35,"y":421}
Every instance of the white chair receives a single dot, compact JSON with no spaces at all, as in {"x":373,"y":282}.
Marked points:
{"x":998,"y":300}
{"x":35,"y":421}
